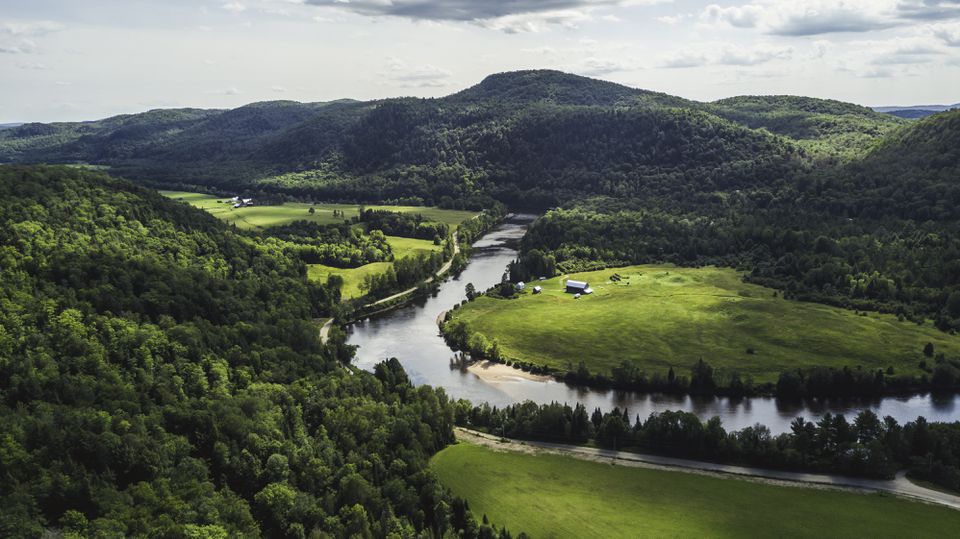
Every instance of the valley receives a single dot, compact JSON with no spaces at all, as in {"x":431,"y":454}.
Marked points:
{"x":775,"y":283}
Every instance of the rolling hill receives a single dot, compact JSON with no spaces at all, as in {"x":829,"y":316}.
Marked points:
{"x":531,"y":137}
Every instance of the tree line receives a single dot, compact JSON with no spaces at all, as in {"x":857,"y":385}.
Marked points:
{"x":866,"y":446}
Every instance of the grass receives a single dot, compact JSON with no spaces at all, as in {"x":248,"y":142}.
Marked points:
{"x":260,"y":217}
{"x":554,"y":496}
{"x":353,"y":277}
{"x":662,"y":316}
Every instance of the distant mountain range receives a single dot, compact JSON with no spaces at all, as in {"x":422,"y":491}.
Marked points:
{"x":527,"y":137}
{"x":8,"y":126}
{"x":913,"y":112}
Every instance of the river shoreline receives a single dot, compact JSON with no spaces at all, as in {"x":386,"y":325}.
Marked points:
{"x":409,"y":333}
{"x":490,"y":371}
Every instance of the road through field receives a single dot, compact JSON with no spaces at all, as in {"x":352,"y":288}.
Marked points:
{"x":443,"y":269}
{"x":899,"y":486}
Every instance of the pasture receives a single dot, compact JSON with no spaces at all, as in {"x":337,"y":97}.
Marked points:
{"x":556,"y":496}
{"x":353,"y":277}
{"x":261,"y":217}
{"x":663,"y":316}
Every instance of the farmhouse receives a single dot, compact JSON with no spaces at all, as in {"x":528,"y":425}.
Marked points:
{"x":578,"y":287}
{"x":537,"y":289}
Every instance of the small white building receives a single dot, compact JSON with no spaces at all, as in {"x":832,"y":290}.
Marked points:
{"x":537,"y":289}
{"x":521,"y":285}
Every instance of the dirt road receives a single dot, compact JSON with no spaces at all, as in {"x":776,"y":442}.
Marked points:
{"x":899,"y":486}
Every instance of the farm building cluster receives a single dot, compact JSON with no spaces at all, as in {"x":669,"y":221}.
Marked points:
{"x":241,"y":202}
{"x":578,"y":287}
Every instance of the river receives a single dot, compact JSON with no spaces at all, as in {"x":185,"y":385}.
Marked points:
{"x":410,"y":334}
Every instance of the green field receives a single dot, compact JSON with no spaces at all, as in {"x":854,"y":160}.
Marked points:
{"x":662,"y":316}
{"x":353,"y":277}
{"x":553,"y":496}
{"x":258,"y":217}
{"x":261,"y":217}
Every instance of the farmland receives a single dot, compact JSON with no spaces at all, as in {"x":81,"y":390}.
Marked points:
{"x":353,"y":277}
{"x":659,"y":317}
{"x":558,"y":496}
{"x":261,"y":217}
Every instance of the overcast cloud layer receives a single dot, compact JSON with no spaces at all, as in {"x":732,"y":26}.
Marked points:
{"x":67,"y":60}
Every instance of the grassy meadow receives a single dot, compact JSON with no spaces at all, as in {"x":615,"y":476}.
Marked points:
{"x":262,"y":217}
{"x":662,"y":316}
{"x":259,"y":217}
{"x":553,"y":496}
{"x":353,"y":277}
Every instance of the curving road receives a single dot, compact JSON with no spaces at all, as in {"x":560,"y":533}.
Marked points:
{"x":899,"y":486}
{"x":325,"y":330}
{"x":443,"y":269}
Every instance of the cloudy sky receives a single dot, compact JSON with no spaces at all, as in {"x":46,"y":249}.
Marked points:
{"x":77,"y":60}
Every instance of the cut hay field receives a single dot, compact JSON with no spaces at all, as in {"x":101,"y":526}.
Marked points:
{"x":353,"y":277}
{"x":663,"y":316}
{"x":555,"y":496}
{"x":259,"y":217}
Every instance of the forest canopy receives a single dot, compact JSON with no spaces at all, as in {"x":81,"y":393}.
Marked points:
{"x":161,"y":375}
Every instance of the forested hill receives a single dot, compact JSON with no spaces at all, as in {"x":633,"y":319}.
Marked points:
{"x":534,"y":138}
{"x":160,"y":375}
{"x":826,"y":128}
{"x":912,"y":174}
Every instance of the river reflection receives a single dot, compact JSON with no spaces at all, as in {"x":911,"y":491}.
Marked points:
{"x":410,"y":334}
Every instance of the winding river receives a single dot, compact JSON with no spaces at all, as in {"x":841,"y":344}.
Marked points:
{"x":410,"y":334}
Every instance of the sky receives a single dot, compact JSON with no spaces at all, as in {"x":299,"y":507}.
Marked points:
{"x":69,"y":60}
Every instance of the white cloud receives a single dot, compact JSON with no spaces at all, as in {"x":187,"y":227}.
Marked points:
{"x":929,"y":9}
{"x":405,"y":75}
{"x":32,"y":28}
{"x":725,"y":54}
{"x":511,"y":16}
{"x":12,"y":49}
{"x":593,"y":67}
{"x":234,"y":7}
{"x":231,"y":90}
{"x":804,"y":18}
{"x":747,"y":16}
{"x":16,"y":36}
{"x":905,"y":51}
{"x":948,"y":33}
{"x":536,"y":22}
{"x":278,"y":89}
{"x":821,"y":47}
{"x":674,"y":20}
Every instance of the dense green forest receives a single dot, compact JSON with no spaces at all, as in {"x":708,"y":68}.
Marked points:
{"x":161,"y":376}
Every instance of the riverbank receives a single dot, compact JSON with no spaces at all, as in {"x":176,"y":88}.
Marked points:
{"x":702,"y":330}
{"x":493,"y":372}
{"x":410,"y":334}
{"x":472,"y":228}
